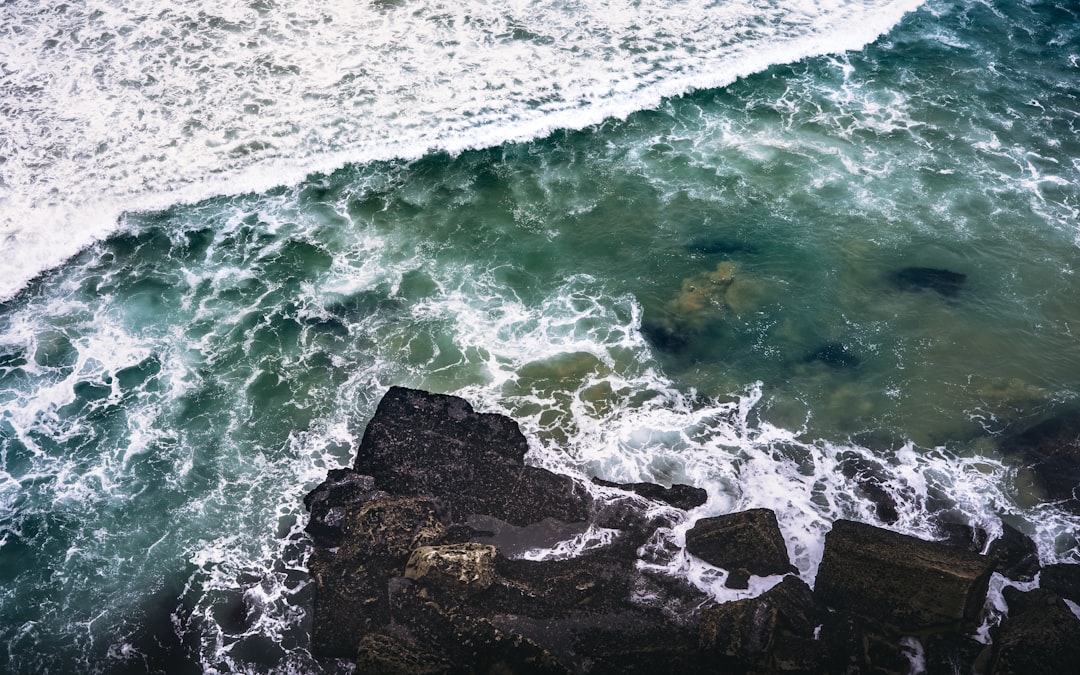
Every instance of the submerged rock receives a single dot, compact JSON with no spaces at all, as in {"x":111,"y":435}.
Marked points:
{"x":891,"y":578}
{"x":1052,"y":448}
{"x":944,"y":282}
{"x":834,"y":355}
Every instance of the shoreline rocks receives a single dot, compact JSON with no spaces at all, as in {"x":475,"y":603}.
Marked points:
{"x":440,"y":551}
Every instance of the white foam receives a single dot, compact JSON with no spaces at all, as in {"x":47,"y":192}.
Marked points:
{"x":111,"y":107}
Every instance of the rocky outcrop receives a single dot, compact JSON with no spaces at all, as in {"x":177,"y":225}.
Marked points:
{"x":441,"y":552}
{"x":748,"y":542}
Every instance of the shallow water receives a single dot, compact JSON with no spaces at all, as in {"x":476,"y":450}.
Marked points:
{"x":663,"y":272}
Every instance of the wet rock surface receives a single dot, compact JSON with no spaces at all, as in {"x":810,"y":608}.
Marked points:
{"x":749,"y":540}
{"x":914,"y":585}
{"x":425,"y":560}
{"x":1052,"y":449}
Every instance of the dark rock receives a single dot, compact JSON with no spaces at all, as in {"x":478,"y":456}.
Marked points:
{"x":742,"y":631}
{"x":834,"y":355}
{"x":1052,"y":448}
{"x":749,"y":540}
{"x":1016,"y":554}
{"x":945,"y":282}
{"x":911,"y":584}
{"x":953,"y":653}
{"x":962,"y":535}
{"x":747,"y":632}
{"x":680,"y":496}
{"x":668,"y":337}
{"x":1040,"y":636}
{"x":422,"y":443}
{"x":738,"y":579}
{"x":351,"y":580}
{"x":343,"y":489}
{"x":721,"y":247}
{"x":872,"y":485}
{"x":420,"y":567}
{"x":1062,"y":579}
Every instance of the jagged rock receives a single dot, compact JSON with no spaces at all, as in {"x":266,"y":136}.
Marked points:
{"x":422,"y":443}
{"x":1040,"y":636}
{"x":1052,"y":448}
{"x":680,"y":496}
{"x":1016,"y":554}
{"x":464,"y":567}
{"x":914,"y":585}
{"x":945,"y":282}
{"x":748,"y":632}
{"x":749,"y":540}
{"x":351,"y":580}
{"x":961,"y":535}
{"x":1062,"y":579}
{"x":867,"y":477}
{"x":343,"y":489}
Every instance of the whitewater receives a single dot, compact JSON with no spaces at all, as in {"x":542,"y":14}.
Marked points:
{"x":663,"y":237}
{"x":117,"y":107}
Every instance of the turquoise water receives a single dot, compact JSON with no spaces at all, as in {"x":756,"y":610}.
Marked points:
{"x":672,"y":274}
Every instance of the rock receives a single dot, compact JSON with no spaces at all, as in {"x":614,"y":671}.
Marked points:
{"x":747,"y":632}
{"x":351,"y":579}
{"x":462,"y":568}
{"x":422,"y":443}
{"x":834,"y":355}
{"x":1040,"y":636}
{"x":743,"y":631}
{"x":749,"y":540}
{"x":1016,"y":554}
{"x":1062,"y":579}
{"x":911,"y":584}
{"x":944,"y":282}
{"x":684,"y":497}
{"x":328,"y":503}
{"x":872,"y":485}
{"x":961,"y":535}
{"x":387,"y":654}
{"x":1052,"y":447}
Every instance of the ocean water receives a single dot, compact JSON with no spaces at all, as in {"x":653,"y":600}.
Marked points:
{"x":664,"y":236}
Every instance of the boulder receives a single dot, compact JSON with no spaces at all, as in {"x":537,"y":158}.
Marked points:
{"x":680,"y":496}
{"x":871,"y":484}
{"x":914,"y":585}
{"x":1052,"y":449}
{"x":1062,"y":579}
{"x":748,"y":540}
{"x":773,"y":631}
{"x":1015,"y":553}
{"x":432,"y":444}
{"x":1041,"y":636}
